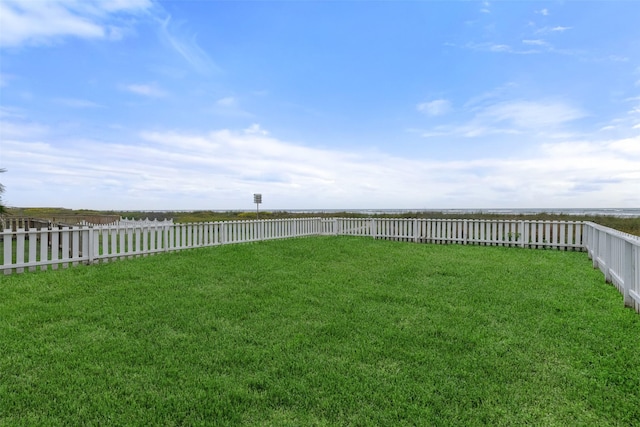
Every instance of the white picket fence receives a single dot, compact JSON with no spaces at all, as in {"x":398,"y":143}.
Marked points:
{"x":40,"y":248}
{"x":616,"y":254}
{"x":146,"y":221}
{"x":563,"y":235}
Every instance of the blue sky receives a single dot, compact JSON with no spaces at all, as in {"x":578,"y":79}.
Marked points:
{"x":142,"y":104}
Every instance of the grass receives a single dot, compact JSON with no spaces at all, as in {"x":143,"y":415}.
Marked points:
{"x":320,"y":331}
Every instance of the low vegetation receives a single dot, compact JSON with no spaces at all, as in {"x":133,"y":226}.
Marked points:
{"x":320,"y":331}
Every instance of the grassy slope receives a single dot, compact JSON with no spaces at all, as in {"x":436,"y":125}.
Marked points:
{"x":327,"y":330}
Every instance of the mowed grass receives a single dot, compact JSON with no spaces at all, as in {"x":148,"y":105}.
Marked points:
{"x":320,"y":331}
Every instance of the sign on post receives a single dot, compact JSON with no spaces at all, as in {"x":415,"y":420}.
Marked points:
{"x":257,"y":199}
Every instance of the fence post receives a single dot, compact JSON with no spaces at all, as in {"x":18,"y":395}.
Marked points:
{"x":628,"y":273}
{"x":589,"y":241}
{"x":579,"y":230}
{"x":607,"y":258}
{"x":595,"y":247}
{"x":465,"y":231}
{"x":87,"y":243}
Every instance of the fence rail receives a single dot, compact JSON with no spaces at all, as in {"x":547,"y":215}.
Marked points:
{"x":615,"y":253}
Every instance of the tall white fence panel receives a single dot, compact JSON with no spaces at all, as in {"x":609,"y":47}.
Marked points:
{"x":63,"y":246}
{"x":617,"y":255}
{"x":32,"y":248}
{"x":562,"y":235}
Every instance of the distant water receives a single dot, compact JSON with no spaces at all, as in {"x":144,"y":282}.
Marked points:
{"x":625,"y":213}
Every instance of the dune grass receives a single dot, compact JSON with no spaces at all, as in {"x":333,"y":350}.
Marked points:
{"x":320,"y":331}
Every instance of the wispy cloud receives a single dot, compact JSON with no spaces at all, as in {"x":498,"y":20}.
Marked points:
{"x":491,"y":96}
{"x":535,"y":42}
{"x":186,"y":45}
{"x":531,"y":114}
{"x":627,"y":123}
{"x":228,"y":101}
{"x":556,"y":29}
{"x":618,"y":58}
{"x":499,"y":48}
{"x":531,"y":47}
{"x":14,"y":124}
{"x":543,"y":12}
{"x":150,"y":90}
{"x":491,"y":116}
{"x":43,"y":22}
{"x":76,"y":103}
{"x":436,"y":107}
{"x":229,"y":106}
{"x":49,"y":21}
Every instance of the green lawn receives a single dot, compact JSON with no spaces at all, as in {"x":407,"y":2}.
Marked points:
{"x":321,"y":331}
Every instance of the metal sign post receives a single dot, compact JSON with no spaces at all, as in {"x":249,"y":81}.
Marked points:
{"x":257,"y":199}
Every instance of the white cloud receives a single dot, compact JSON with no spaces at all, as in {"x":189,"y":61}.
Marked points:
{"x":37,"y":22}
{"x":618,"y":58}
{"x":556,"y":29}
{"x":150,"y":90}
{"x":543,"y":12}
{"x":625,"y":124}
{"x":227,"y":102}
{"x":229,"y":106}
{"x":630,"y":146}
{"x":536,"y":42}
{"x":222,"y":168}
{"x":510,"y":117}
{"x":76,"y":103}
{"x":256,"y":129}
{"x":436,"y":107}
{"x":499,"y":48}
{"x":14,"y":124}
{"x":490,"y":96}
{"x":531,"y":114}
{"x":186,"y":45}
{"x":44,"y":21}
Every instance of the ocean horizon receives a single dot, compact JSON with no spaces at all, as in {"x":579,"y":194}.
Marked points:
{"x":617,"y":212}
